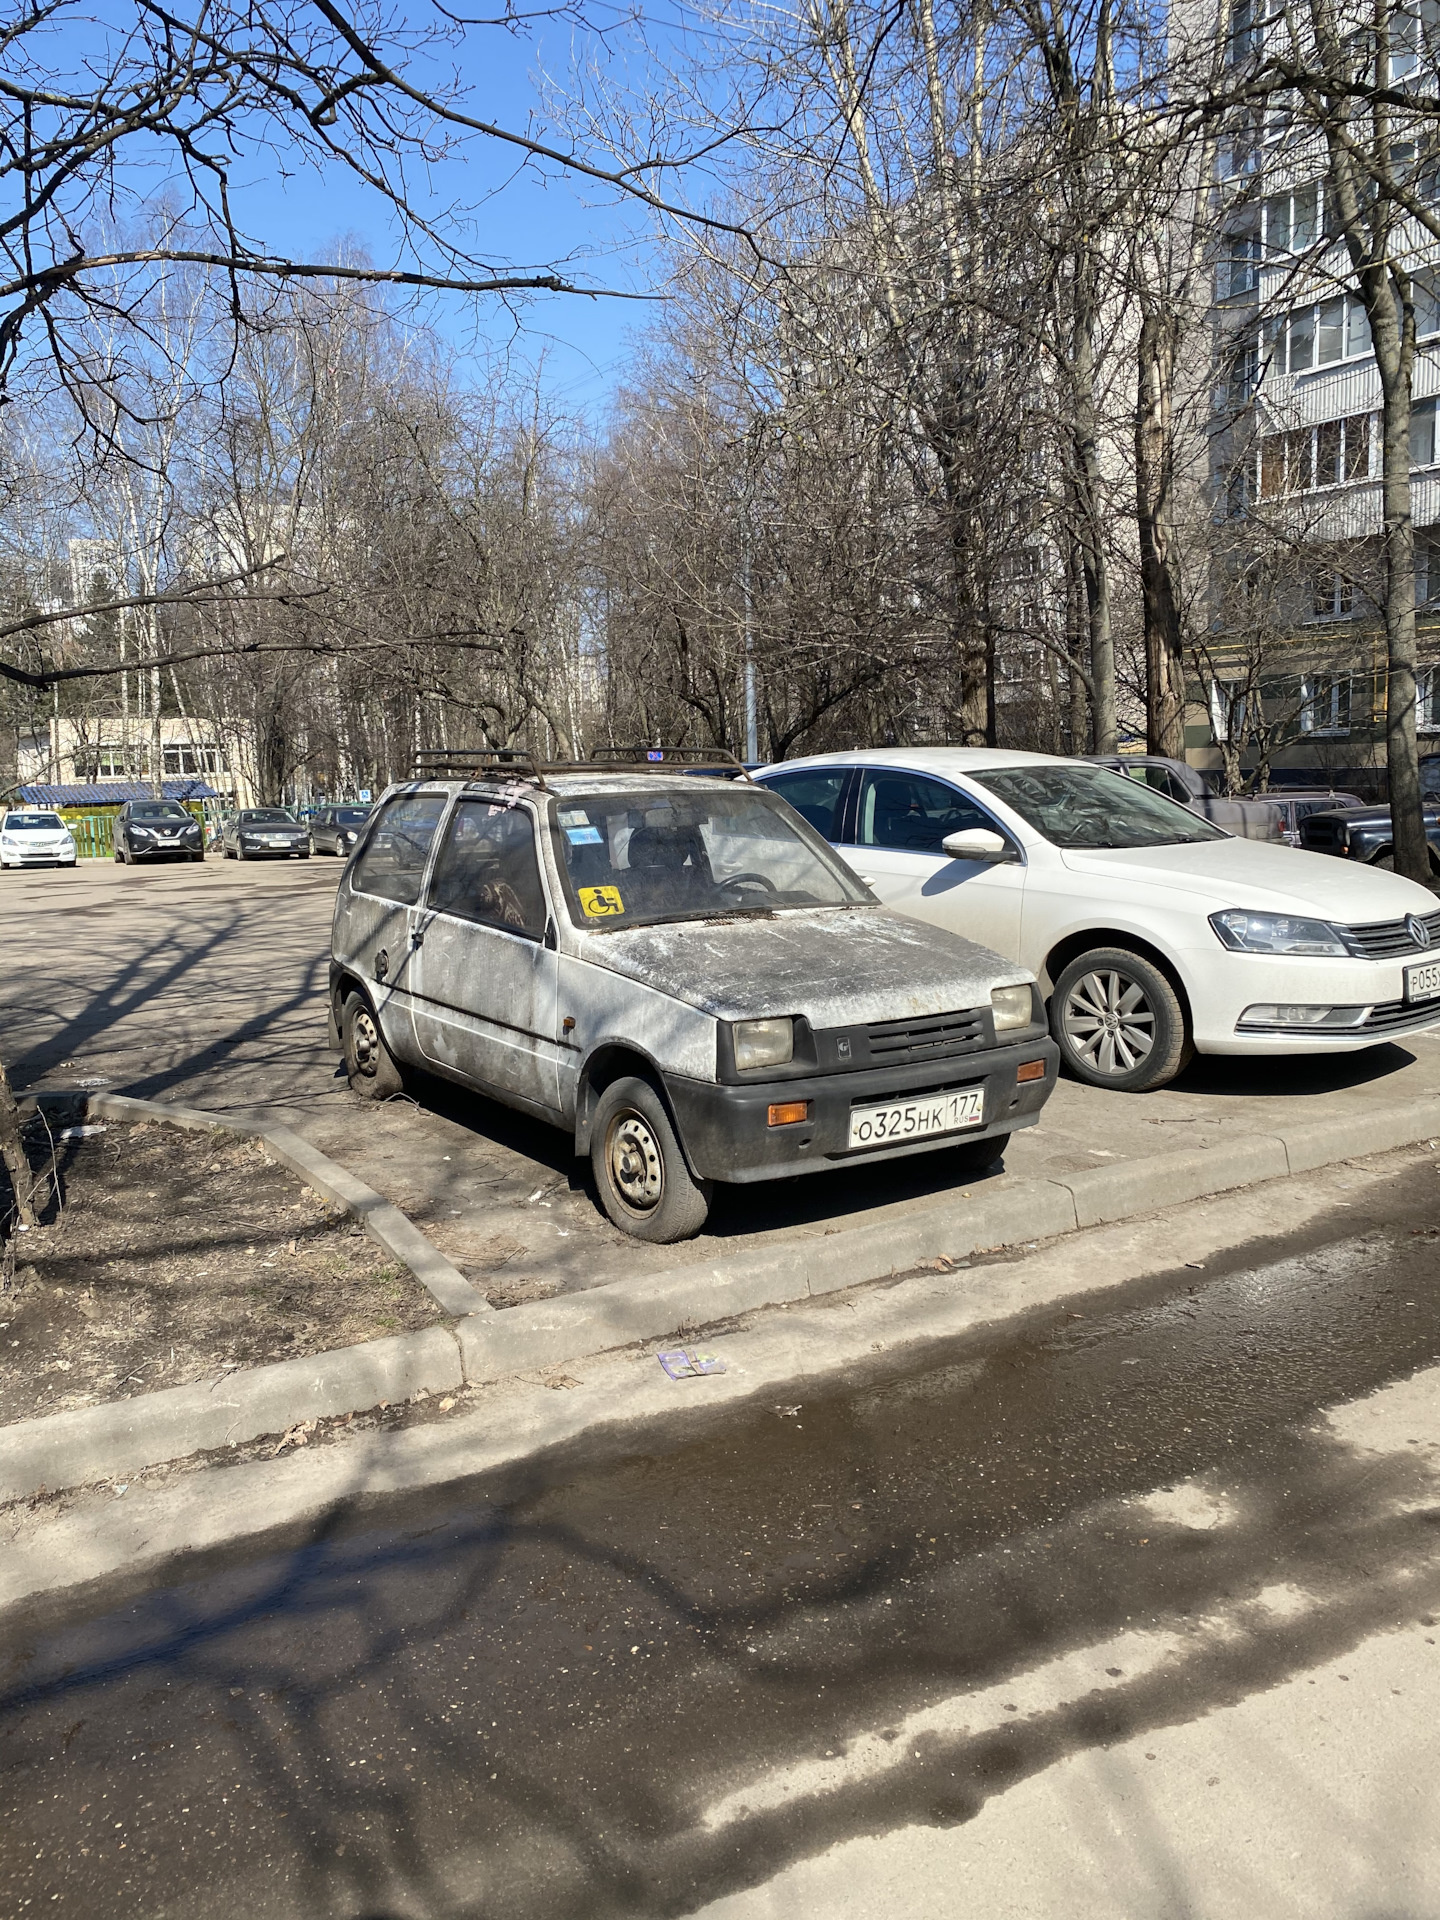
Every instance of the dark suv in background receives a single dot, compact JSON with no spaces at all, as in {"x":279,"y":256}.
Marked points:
{"x":157,"y":830}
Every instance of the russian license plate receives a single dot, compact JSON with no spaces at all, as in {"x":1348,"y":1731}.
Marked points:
{"x":1423,"y":982}
{"x":900,"y":1120}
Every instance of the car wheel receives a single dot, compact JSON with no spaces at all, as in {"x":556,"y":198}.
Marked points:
{"x":369,"y":1064}
{"x":1118,"y":1022}
{"x":1385,"y":861}
{"x":644,"y":1184}
{"x":119,"y":857}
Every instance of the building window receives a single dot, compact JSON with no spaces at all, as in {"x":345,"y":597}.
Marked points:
{"x":1329,"y":455}
{"x":1422,"y":434}
{"x":1229,"y":711}
{"x":1247,"y":24}
{"x":1427,"y":567}
{"x":1427,"y":700}
{"x":1322,"y":335}
{"x":190,"y":759}
{"x":1239,"y":269}
{"x":1292,"y":220}
{"x":1333,"y":595}
{"x":1325,"y":703}
{"x":118,"y":763}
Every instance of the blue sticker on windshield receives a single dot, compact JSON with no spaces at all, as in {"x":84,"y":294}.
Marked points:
{"x":583,"y":836}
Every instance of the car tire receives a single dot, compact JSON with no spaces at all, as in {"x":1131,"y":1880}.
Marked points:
{"x":1119,"y":1022}
{"x":1385,"y":862}
{"x":370,"y":1066}
{"x":119,"y":858}
{"x":644,"y":1184}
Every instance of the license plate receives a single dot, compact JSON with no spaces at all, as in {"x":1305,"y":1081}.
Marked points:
{"x":900,"y":1120}
{"x":1423,"y":983}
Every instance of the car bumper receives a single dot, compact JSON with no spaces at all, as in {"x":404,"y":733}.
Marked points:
{"x":725,"y":1134}
{"x":1223,"y":986}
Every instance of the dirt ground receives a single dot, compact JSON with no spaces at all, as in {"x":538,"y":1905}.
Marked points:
{"x":172,"y":1257}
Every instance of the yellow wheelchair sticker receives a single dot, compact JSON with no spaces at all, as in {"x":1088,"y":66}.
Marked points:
{"x":599,"y":903}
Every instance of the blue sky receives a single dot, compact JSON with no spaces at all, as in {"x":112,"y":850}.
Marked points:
{"x":526,"y":220}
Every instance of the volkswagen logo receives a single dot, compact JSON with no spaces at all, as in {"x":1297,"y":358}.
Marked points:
{"x":1417,"y":930}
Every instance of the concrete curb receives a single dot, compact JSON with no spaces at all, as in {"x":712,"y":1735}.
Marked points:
{"x":70,"y":1449}
{"x":661,"y":1304}
{"x":95,"y":1443}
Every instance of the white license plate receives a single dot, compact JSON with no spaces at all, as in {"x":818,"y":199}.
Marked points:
{"x":1423,"y":983}
{"x":900,"y":1120}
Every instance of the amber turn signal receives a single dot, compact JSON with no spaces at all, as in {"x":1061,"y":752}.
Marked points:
{"x":1032,"y":1070}
{"x":788,"y":1113}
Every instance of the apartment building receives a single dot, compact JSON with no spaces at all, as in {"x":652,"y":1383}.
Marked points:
{"x":1297,"y":676}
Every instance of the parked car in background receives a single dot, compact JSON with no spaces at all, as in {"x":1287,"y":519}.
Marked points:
{"x":35,"y":837}
{"x":1154,"y":933}
{"x":335,"y":829}
{"x":677,"y":971}
{"x":1256,"y":818}
{"x":1365,"y":834}
{"x":1296,"y":804}
{"x":259,"y":833}
{"x":157,"y":830}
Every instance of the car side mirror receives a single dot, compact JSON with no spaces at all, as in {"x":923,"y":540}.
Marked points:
{"x":975,"y":843}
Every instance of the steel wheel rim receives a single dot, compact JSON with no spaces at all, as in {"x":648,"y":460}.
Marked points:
{"x":367,"y":1044}
{"x":1108,"y":1022}
{"x":632,"y":1154}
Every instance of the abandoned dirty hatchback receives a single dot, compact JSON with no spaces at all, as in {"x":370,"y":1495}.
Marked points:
{"x":675,"y":968}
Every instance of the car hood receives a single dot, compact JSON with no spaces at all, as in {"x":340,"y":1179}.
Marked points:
{"x":1253,"y":874}
{"x":837,"y":967}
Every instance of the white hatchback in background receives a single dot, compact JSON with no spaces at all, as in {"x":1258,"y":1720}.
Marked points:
{"x":35,"y":837}
{"x":1154,"y":933}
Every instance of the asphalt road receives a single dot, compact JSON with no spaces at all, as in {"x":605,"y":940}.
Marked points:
{"x":205,"y":984}
{"x":1129,"y":1608}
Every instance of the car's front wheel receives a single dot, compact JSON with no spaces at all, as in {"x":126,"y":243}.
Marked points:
{"x":1118,"y":1022}
{"x":369,"y":1064}
{"x":640,"y":1173}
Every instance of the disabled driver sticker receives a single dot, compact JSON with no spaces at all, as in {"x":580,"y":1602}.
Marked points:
{"x":600,"y":903}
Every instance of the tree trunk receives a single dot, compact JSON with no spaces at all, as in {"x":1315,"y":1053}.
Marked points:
{"x":12,"y":1152}
{"x":1402,"y":753}
{"x":1154,"y":509}
{"x":1089,"y":492}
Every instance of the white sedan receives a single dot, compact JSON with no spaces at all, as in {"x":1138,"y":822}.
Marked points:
{"x":35,"y":837}
{"x":1154,"y":933}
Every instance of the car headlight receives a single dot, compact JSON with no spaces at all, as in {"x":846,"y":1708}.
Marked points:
{"x":763,"y":1043}
{"x":141,"y":833}
{"x":1277,"y":933}
{"x":1012,"y":1008}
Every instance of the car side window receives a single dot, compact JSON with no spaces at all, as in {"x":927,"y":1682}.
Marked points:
{"x":909,"y":812}
{"x":487,"y":870}
{"x":393,"y":863}
{"x":815,"y":794}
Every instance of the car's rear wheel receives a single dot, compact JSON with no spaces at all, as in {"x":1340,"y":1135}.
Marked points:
{"x":1118,"y":1022}
{"x":644,"y":1184}
{"x":369,"y":1064}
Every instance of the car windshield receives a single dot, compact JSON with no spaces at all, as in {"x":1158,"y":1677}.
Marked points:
{"x":351,"y":816}
{"x":265,"y":817}
{"x":158,"y":810}
{"x":33,"y":822}
{"x":632,"y":859}
{"x":1080,"y":807}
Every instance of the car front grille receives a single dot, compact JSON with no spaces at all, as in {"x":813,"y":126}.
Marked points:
{"x":1389,"y":939}
{"x":898,"y":1043}
{"x":1397,"y":1016}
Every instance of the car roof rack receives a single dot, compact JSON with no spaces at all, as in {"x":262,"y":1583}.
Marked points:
{"x":478,"y":763}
